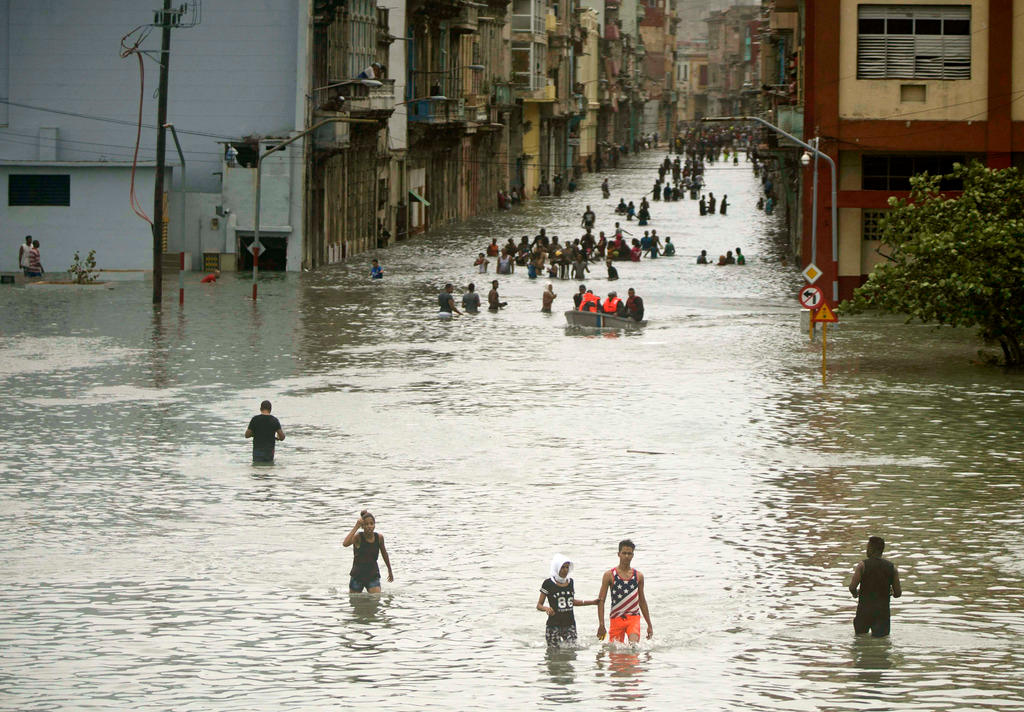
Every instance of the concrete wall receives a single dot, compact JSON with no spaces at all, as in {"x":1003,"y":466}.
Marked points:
{"x":231,"y":76}
{"x":241,"y":71}
{"x":959,"y":100}
{"x":99,"y":218}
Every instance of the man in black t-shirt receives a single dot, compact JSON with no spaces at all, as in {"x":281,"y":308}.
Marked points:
{"x":263,"y":429}
{"x":874,"y":580}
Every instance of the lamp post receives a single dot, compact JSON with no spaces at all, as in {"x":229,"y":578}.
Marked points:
{"x":181,"y":265}
{"x":256,"y":246}
{"x":813,"y":150}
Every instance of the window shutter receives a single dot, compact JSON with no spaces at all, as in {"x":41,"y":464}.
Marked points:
{"x":903,"y":42}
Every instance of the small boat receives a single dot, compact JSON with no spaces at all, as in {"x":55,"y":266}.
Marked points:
{"x":600,"y":320}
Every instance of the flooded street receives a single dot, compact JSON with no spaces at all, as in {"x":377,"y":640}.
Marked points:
{"x":148,"y":565}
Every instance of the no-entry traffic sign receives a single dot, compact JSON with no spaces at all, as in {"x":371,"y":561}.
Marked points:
{"x":811,"y":297}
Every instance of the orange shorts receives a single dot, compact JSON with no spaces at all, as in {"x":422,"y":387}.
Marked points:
{"x":620,"y":628}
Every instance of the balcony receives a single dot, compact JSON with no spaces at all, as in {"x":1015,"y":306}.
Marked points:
{"x":545,"y":94}
{"x":366,"y":101}
{"x":790,"y":119}
{"x":437,"y":111}
{"x":501,"y":94}
{"x":467,"y":21}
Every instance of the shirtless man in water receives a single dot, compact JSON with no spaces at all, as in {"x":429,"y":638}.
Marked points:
{"x":628,"y":599}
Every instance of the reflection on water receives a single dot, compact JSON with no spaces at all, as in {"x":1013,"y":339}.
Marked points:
{"x":624,"y":668}
{"x":148,"y":565}
{"x":561,"y":670}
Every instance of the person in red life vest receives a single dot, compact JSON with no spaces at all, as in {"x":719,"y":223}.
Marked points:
{"x":634,"y":305}
{"x":590,"y":302}
{"x":210,"y":277}
{"x":612,"y":303}
{"x":493,"y":249}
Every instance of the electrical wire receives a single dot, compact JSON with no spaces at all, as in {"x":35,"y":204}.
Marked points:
{"x":127,"y":51}
{"x":108,"y":120}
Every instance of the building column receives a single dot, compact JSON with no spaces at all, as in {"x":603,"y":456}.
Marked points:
{"x":999,"y":129}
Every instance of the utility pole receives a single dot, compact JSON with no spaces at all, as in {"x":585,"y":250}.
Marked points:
{"x":161,"y":154}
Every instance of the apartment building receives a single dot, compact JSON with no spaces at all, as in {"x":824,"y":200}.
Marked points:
{"x":733,"y":56}
{"x":894,"y":89}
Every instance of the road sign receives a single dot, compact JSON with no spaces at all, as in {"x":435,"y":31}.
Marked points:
{"x":811,"y":297}
{"x":811,"y":273}
{"x":256,"y":246}
{"x":824,"y":314}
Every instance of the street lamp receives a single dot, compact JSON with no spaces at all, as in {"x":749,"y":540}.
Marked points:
{"x":810,"y":153}
{"x":256,"y":246}
{"x":805,"y":159}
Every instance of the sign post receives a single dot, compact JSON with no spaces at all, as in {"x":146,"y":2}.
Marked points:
{"x":255,"y":248}
{"x":811,"y":298}
{"x":826,"y":316}
{"x":181,"y":279}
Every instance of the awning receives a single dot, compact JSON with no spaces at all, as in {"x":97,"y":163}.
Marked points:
{"x":420,"y":198}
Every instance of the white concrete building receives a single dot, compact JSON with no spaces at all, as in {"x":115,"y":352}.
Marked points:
{"x":70,"y":105}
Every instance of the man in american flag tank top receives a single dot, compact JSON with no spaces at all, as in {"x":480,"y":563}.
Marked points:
{"x":628,"y":600}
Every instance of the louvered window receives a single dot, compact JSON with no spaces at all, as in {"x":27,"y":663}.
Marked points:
{"x":913,"y":42}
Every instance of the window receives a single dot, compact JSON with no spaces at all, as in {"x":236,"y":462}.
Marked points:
{"x":39,"y":190}
{"x":892,"y":172}
{"x":871,"y":224}
{"x":528,"y":62}
{"x":913,"y":42}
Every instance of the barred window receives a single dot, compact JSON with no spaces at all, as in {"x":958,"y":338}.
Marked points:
{"x":913,"y":42}
{"x":871,"y":224}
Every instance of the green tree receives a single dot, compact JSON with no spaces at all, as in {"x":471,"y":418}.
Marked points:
{"x":956,"y":261}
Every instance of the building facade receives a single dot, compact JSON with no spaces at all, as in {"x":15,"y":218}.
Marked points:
{"x":365,"y":121}
{"x":71,"y":110}
{"x":894,"y":89}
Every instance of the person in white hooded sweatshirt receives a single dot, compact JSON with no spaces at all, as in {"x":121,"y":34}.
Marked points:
{"x":560,"y":596}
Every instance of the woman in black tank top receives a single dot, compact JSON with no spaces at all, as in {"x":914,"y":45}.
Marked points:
{"x":368,"y":545}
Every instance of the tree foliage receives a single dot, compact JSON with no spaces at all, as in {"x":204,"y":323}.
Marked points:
{"x":956,"y":261}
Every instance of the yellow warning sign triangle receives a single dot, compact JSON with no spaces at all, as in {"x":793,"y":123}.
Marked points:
{"x":825,"y":314}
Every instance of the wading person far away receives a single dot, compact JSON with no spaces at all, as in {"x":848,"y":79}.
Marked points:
{"x":873,"y":580}
{"x":368,"y":545}
{"x":264,"y":429}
